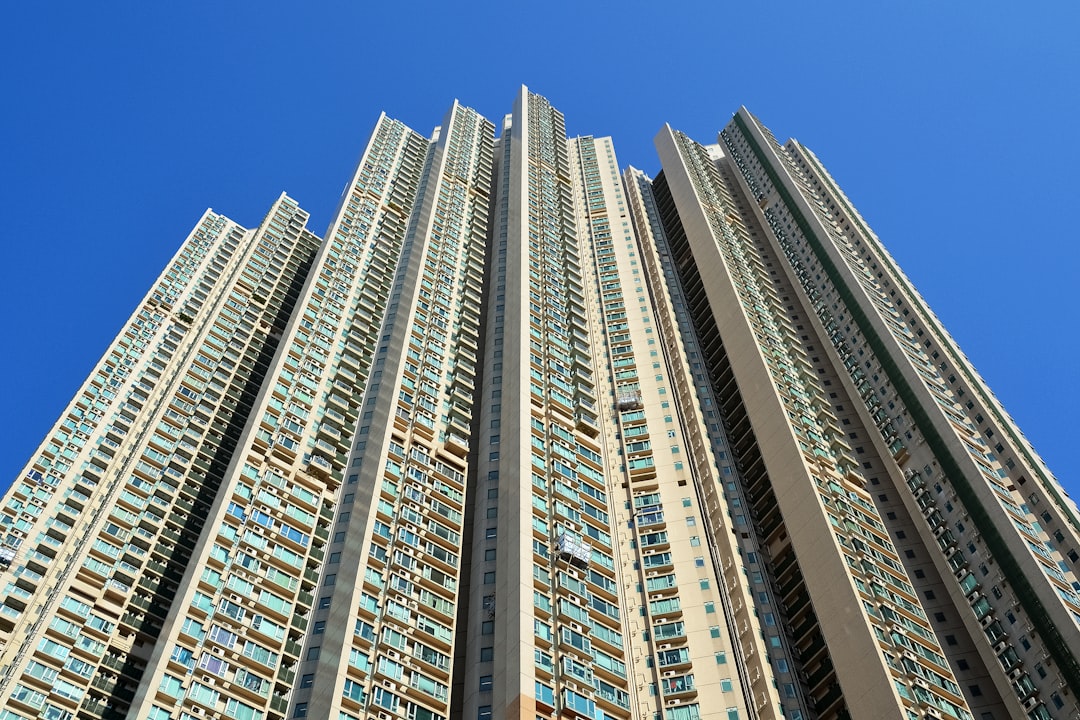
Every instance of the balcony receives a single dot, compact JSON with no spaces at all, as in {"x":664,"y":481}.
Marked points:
{"x":319,"y":465}
{"x":457,"y":444}
{"x":586,"y":423}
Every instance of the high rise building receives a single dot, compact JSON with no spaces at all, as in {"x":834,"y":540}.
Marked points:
{"x":523,"y":436}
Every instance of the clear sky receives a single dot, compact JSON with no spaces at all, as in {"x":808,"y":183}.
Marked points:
{"x":948,"y":124}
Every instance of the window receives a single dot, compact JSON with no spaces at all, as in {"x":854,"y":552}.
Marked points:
{"x":379,"y":696}
{"x":213,"y":664}
{"x":171,"y":686}
{"x":28,"y":696}
{"x":42,"y":672}
{"x":222,"y":636}
{"x":683,"y":712}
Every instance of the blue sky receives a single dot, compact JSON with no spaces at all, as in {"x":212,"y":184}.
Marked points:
{"x":948,"y":124}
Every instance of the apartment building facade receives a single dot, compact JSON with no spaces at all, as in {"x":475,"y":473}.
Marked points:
{"x":524,"y":435}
